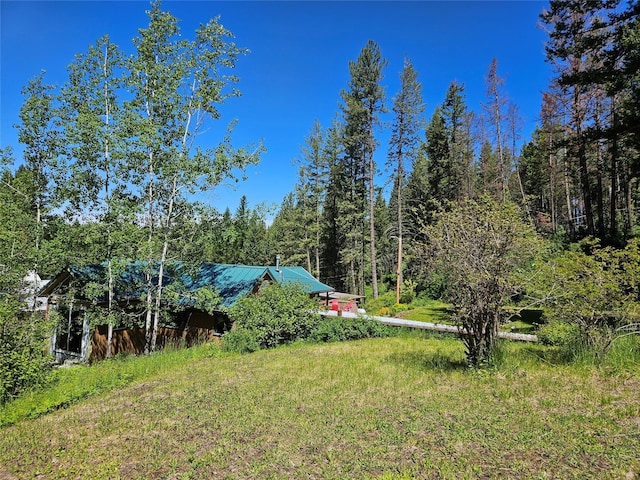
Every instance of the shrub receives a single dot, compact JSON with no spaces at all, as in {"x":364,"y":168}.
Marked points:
{"x":279,"y":314}
{"x":385,"y":300}
{"x":432,"y":286}
{"x":240,"y":340}
{"x":408,"y":291}
{"x":23,"y":364}
{"x":336,"y":329}
{"x":559,"y":334}
{"x":399,"y":307}
{"x":478,"y":247}
{"x":596,"y":291}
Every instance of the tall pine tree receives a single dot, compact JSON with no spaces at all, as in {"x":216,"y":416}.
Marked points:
{"x":404,"y":143}
{"x":363,"y":102}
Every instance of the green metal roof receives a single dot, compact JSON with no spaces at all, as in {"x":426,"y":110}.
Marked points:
{"x":299,"y":275}
{"x":231,"y":281}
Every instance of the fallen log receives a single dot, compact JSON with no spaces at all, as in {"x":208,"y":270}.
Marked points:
{"x":438,"y":327}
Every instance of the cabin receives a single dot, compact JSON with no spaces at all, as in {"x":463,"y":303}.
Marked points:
{"x":79,"y":296}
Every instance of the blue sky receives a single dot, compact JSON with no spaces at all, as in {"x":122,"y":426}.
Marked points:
{"x":298,"y":62}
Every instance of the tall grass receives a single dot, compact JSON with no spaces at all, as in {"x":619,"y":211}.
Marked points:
{"x":623,"y":355}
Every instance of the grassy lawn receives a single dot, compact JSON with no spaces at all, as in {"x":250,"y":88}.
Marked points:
{"x":386,"y":408}
{"x":435,"y":311}
{"x":432,"y":311}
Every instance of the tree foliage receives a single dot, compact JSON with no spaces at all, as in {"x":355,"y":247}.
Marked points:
{"x":113,"y":161}
{"x":280,"y":314}
{"x":595,"y":289}
{"x":404,"y":144}
{"x":592,"y":45}
{"x":363,"y":104}
{"x":478,"y":246}
{"x":23,"y":338}
{"x":458,"y":121}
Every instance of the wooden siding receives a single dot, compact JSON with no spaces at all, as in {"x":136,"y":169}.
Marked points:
{"x":193,"y":328}
{"x":131,"y":341}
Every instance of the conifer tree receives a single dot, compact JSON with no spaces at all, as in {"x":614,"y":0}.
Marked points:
{"x":387,"y":252}
{"x":457,"y":120}
{"x":227,"y":237}
{"x":403,"y":148}
{"x":363,"y":103}
{"x":418,"y":196}
{"x":490,"y":174}
{"x":333,"y":236}
{"x":313,"y":178}
{"x":584,"y":50}
{"x":441,"y":174}
{"x":286,"y":231}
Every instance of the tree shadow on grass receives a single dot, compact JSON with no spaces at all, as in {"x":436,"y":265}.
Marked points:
{"x":429,"y":361}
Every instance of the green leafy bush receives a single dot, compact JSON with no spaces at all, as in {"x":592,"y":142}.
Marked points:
{"x":433,"y":285}
{"x":399,"y":307}
{"x":596,"y":291}
{"x":479,"y":247}
{"x":241,"y":341}
{"x":336,"y":329}
{"x":384,"y":301}
{"x":408,"y":291}
{"x":279,"y":314}
{"x":23,"y":363}
{"x":559,"y":334}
